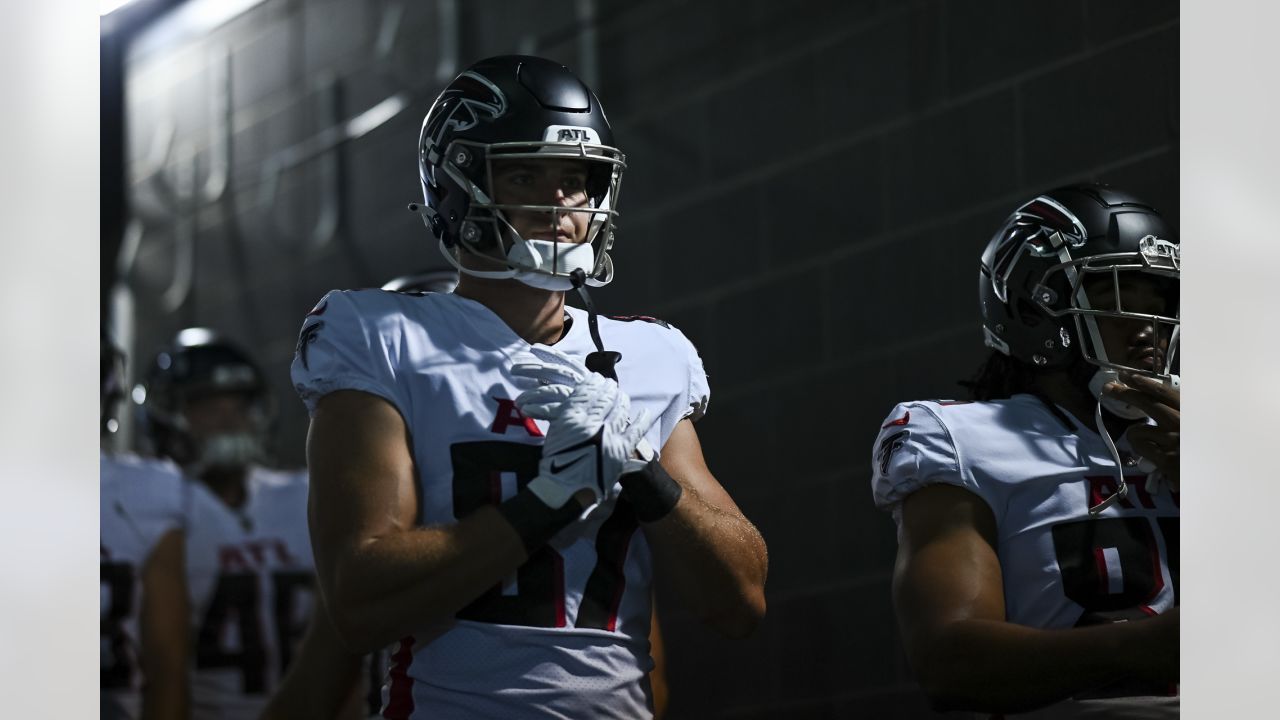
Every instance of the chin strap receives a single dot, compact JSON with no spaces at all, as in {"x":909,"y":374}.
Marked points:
{"x":601,"y":361}
{"x":1123,"y":488}
{"x":1128,"y":412}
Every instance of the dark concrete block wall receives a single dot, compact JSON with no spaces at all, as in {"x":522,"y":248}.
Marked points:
{"x":809,"y":186}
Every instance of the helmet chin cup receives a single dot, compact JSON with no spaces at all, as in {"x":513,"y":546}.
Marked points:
{"x":606,"y":273}
{"x":232,"y":449}
{"x":533,"y":260}
{"x":1115,"y":407}
{"x":227,"y":451}
{"x":543,"y":281}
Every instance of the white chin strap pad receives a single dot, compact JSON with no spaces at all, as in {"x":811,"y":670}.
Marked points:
{"x":1117,"y":407}
{"x":534,"y":259}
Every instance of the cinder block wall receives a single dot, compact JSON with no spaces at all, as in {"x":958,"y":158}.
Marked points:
{"x":808,"y":189}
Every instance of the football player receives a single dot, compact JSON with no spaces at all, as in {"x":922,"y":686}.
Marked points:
{"x":482,"y":494}
{"x":248,"y":551}
{"x":324,"y":679}
{"x":1037,"y":563}
{"x":143,"y":581}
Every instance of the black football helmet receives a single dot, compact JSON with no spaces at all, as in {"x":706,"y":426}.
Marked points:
{"x":436,"y":281}
{"x":1033,"y":271}
{"x":199,"y":363}
{"x":514,"y":107}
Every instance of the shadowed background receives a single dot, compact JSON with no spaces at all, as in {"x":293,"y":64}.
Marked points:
{"x":809,"y":185}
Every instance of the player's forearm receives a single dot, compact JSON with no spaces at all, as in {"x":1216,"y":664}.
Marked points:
{"x":716,"y":559}
{"x":165,"y":702}
{"x":165,"y":694}
{"x":321,"y":679}
{"x":163,"y":620}
{"x":310,"y":698}
{"x":388,"y":587}
{"x":994,"y":666}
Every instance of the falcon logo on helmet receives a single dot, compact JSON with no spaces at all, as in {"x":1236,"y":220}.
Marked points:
{"x":1040,"y":228}
{"x":469,"y":100}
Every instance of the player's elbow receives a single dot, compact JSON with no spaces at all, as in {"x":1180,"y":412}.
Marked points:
{"x":942,"y":697}
{"x":740,"y":618}
{"x":358,"y":625}
{"x":356,"y":629}
{"x":947,"y":676}
{"x":940,"y":685}
{"x":947,"y":694}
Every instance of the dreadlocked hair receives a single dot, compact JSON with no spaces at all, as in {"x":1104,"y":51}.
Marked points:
{"x":1002,"y":376}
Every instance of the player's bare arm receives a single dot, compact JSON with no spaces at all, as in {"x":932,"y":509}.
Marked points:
{"x":702,"y":543}
{"x":658,"y":675}
{"x":380,"y":574}
{"x":705,"y":547}
{"x":164,"y":631}
{"x":323,"y":681}
{"x":949,"y":598}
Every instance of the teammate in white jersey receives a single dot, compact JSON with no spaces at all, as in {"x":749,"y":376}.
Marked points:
{"x":143,"y":583}
{"x":326,"y":680}
{"x":249,"y":564}
{"x":1038,"y":527}
{"x":478,"y":495}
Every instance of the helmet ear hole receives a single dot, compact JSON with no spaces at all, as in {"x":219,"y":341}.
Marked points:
{"x":436,"y":193}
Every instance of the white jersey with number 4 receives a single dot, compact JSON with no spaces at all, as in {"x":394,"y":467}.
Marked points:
{"x":141,"y":501}
{"x":1039,"y":472}
{"x":252,"y":580}
{"x":567,"y":635}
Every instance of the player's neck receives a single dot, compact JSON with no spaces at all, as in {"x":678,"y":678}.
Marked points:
{"x":229,"y":484}
{"x":535,"y":315}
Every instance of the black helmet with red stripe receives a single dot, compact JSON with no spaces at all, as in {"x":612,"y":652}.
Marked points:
{"x":1033,"y":273}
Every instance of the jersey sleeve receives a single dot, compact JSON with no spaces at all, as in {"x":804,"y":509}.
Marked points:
{"x":174,"y":511}
{"x":698,"y":392}
{"x":914,"y":449}
{"x":165,"y":493}
{"x":342,"y":348}
{"x":147,"y":497}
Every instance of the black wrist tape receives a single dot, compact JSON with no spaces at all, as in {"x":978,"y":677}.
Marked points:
{"x":652,"y":492}
{"x":534,"y":521}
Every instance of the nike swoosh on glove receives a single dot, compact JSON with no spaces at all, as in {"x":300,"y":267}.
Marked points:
{"x":591,"y":440}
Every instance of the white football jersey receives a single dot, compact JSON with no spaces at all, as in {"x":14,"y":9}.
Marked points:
{"x":140,"y":501}
{"x":1062,"y":567}
{"x":567,"y":635}
{"x":252,"y":581}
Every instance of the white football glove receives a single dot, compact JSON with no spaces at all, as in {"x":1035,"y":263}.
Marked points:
{"x":591,"y":441}
{"x":558,"y":373}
